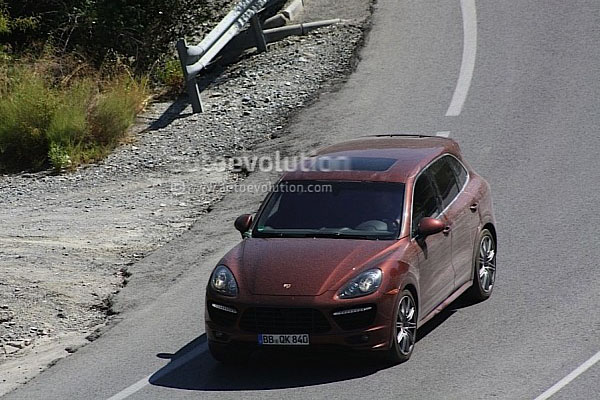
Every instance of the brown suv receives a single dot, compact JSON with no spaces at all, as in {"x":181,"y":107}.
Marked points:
{"x":360,"y":247}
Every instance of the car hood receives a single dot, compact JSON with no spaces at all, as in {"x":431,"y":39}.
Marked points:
{"x":308,"y":266}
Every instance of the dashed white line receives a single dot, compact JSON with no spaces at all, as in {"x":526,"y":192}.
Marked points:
{"x":443,"y":133}
{"x":173,"y":365}
{"x":567,"y":379}
{"x":469,"y":16}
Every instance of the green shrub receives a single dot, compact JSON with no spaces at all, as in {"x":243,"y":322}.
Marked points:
{"x":69,"y":125}
{"x":169,"y":74}
{"x":25,"y":114}
{"x":4,"y":22}
{"x":59,"y":157}
{"x":116,"y":109}
{"x":63,"y":125}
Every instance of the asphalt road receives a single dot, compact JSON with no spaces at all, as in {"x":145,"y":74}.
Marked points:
{"x":529,"y":124}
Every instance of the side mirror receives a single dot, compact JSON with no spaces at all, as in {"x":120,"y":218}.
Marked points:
{"x":243,"y":223}
{"x":429,"y":226}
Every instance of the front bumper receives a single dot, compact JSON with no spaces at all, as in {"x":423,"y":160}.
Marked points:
{"x":242,"y":319}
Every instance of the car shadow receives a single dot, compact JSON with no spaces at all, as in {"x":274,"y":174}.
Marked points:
{"x":193,"y":368}
{"x":265,"y":370}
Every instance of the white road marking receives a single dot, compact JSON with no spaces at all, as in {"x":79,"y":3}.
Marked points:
{"x":443,"y":133}
{"x":173,"y":365}
{"x":567,"y":379}
{"x":469,"y":16}
{"x":139,"y":385}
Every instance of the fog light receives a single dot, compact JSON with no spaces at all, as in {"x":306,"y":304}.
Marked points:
{"x":220,"y":336}
{"x":358,"y":339}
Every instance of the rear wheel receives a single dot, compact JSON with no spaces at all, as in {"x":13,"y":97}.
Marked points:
{"x":485,"y":267}
{"x":404,"y":328}
{"x":230,"y":353}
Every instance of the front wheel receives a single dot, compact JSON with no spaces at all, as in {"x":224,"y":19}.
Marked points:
{"x":404,"y":328}
{"x":484,"y":270}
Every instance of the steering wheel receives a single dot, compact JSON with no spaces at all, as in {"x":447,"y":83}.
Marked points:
{"x":372,"y":225}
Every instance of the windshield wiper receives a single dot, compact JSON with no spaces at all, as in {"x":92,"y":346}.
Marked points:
{"x":280,"y":235}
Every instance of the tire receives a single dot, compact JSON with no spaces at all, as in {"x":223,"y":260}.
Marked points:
{"x":404,"y":328}
{"x":484,"y":268}
{"x":229,"y":354}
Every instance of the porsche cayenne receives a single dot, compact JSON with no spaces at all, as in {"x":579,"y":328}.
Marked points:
{"x":359,"y":248}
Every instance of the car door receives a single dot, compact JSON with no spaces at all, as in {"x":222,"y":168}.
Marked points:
{"x":463,"y":220}
{"x":436,"y":274}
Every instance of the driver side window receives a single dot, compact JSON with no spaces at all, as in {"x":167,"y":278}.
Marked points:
{"x":425,"y":202}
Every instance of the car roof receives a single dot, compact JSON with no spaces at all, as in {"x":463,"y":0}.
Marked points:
{"x":403,"y":155}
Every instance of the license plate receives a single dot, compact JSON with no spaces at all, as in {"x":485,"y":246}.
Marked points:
{"x":283,"y":339}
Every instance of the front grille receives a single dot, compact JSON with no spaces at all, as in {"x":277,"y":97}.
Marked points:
{"x":283,"y":320}
{"x":223,"y":318}
{"x":356,"y":320}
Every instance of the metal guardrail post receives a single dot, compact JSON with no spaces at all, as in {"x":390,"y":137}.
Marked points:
{"x":194,"y":95}
{"x":190,"y":80}
{"x":259,"y":36}
{"x":194,"y":59}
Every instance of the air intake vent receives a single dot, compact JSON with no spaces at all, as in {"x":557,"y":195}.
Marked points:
{"x":283,"y":320}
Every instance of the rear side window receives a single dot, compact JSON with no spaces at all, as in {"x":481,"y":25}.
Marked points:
{"x":459,"y":170}
{"x":443,"y":176}
{"x":425,"y":202}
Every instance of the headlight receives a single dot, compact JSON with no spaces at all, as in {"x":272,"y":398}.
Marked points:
{"x":223,"y":282}
{"x":363,"y":284}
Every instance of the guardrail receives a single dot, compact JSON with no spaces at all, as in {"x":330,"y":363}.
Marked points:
{"x":195,"y":58}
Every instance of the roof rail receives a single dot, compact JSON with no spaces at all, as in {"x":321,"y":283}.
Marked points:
{"x":404,"y":135}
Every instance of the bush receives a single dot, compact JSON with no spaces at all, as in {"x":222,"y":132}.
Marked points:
{"x":169,"y":74}
{"x":69,"y":125}
{"x":25,"y":115}
{"x":140,"y":30}
{"x":59,"y":157}
{"x":115,"y":110}
{"x":63,"y":124}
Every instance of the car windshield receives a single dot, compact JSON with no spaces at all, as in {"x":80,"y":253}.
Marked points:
{"x":335,"y":209}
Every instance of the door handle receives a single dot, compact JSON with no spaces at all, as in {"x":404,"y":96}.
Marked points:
{"x":446,"y":230}
{"x":474,"y":207}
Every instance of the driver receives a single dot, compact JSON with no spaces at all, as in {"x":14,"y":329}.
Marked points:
{"x":383,"y":214}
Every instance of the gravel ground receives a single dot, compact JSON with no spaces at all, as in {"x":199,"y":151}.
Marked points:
{"x":69,"y":242}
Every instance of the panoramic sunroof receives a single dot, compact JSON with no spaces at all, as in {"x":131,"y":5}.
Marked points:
{"x":327,"y":163}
